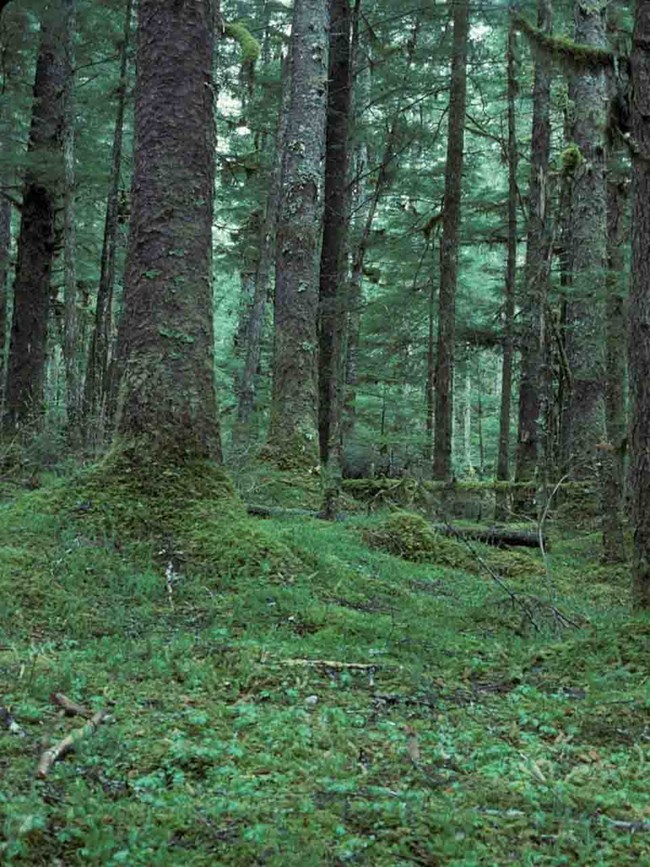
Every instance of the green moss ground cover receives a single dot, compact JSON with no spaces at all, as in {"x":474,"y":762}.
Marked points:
{"x":235,"y":736}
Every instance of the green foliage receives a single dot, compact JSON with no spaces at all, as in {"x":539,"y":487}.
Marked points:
{"x":236,"y":737}
{"x":571,"y":158}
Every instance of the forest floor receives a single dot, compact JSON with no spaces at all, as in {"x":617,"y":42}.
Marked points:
{"x":239,"y":732}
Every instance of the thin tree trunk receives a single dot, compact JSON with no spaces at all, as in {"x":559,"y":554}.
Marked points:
{"x":533,"y":388}
{"x":442,"y":467}
{"x":503,"y":456}
{"x":333,"y":254}
{"x":96,"y":386}
{"x":639,"y":306}
{"x":167,"y":403}
{"x":431,"y":367}
{"x":263,"y":276}
{"x":292,"y":440}
{"x":70,"y":331}
{"x":585,"y":156}
{"x":24,"y":398}
{"x":5,"y":252}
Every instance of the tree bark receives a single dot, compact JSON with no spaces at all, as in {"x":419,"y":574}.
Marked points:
{"x":167,"y":401}
{"x":639,"y":305}
{"x":292,"y":440}
{"x":585,"y":157}
{"x":24,"y":398}
{"x":613,"y":450}
{"x":533,"y":390}
{"x":96,"y":386}
{"x":5,"y":252}
{"x":444,"y":414}
{"x":70,"y":331}
{"x":336,"y":217}
{"x":503,"y":455}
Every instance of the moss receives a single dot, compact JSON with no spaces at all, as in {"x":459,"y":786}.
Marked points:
{"x":249,"y":46}
{"x":515,"y":564}
{"x":571,"y":158}
{"x":409,"y":536}
{"x":564,"y":50}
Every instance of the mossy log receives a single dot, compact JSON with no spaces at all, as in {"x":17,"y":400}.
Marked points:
{"x":497,"y":537}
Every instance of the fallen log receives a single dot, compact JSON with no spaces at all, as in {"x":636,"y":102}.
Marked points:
{"x":497,"y":537}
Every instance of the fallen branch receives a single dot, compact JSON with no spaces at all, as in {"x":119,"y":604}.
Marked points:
{"x":53,"y":754}
{"x":69,"y":707}
{"x":332,"y":663}
{"x":10,"y":723}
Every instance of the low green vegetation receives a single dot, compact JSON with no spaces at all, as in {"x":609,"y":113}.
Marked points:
{"x":476,"y":728}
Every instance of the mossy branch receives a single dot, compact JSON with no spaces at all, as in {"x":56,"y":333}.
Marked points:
{"x":249,"y":46}
{"x":564,"y":50}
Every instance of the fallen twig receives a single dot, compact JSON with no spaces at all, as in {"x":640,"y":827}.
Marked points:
{"x":332,"y":663}
{"x":69,"y":707}
{"x":53,"y":754}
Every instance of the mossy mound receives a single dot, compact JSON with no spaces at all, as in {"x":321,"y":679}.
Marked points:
{"x":409,"y":536}
{"x":515,"y":564}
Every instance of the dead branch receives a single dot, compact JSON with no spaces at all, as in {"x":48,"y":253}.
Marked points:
{"x":69,"y":707}
{"x":53,"y":754}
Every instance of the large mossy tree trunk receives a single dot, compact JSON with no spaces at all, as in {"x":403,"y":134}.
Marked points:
{"x":292,"y":439}
{"x":96,"y":384}
{"x":503,"y":454}
{"x":585,"y":157}
{"x":449,"y":245}
{"x":639,"y":305}
{"x":24,"y":397}
{"x":336,"y":220}
{"x":167,"y":401}
{"x":534,"y":392}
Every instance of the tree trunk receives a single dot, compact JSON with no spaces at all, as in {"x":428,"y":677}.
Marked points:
{"x":167,"y":402}
{"x":24,"y":398}
{"x":255,"y":322}
{"x":96,"y":385}
{"x":639,"y":305}
{"x":444,"y":410}
{"x":533,"y":388}
{"x":292,"y":440}
{"x":503,"y":456}
{"x":70,"y":331}
{"x":585,"y":158}
{"x":5,"y":252}
{"x":332,"y":289}
{"x":613,"y":450}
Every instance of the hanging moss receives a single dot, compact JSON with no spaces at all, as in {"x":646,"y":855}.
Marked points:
{"x":564,"y":50}
{"x":249,"y":46}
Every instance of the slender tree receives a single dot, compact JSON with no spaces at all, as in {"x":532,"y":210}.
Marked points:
{"x":639,"y":306}
{"x":292,"y":439}
{"x":503,"y":455}
{"x":449,"y":244}
{"x":96,"y":384}
{"x":70,"y":331}
{"x":533,"y":342}
{"x":36,"y":240}
{"x":332,"y":294}
{"x":167,"y":397}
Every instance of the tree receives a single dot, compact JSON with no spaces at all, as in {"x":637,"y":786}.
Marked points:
{"x":503,"y":457}
{"x":292,"y":439}
{"x":332,"y":294}
{"x":37,"y":237}
{"x":533,"y":342}
{"x":639,"y":305}
{"x":5,"y":242}
{"x":167,"y":400}
{"x":96,"y":385}
{"x":584,"y":158}
{"x":449,"y":245}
